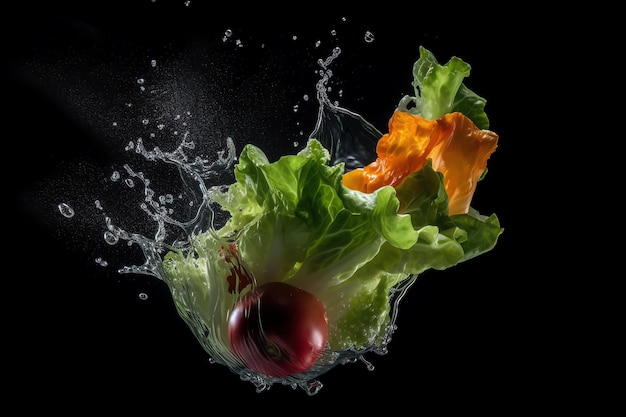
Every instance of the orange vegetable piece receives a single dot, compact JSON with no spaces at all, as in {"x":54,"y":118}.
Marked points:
{"x":458,"y":149}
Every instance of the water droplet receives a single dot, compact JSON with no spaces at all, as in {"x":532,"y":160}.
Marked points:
{"x":369,"y":36}
{"x":115,"y":175}
{"x":306,"y":97}
{"x":294,"y":37}
{"x":333,"y":32}
{"x":318,"y":43}
{"x":313,"y":387}
{"x":295,"y":144}
{"x":368,"y":364}
{"x":140,"y":81}
{"x":145,"y":121}
{"x":66,"y":210}
{"x":153,"y":63}
{"x":101,"y":262}
{"x":129,"y":182}
{"x":114,"y":123}
{"x":110,"y":238}
{"x":143,"y":296}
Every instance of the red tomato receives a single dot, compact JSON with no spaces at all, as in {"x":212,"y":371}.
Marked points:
{"x":278,"y":329}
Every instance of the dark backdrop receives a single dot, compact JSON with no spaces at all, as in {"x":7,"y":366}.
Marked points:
{"x":80,"y":336}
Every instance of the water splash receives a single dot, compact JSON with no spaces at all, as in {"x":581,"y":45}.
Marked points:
{"x":196,"y":172}
{"x":347,"y":135}
{"x":349,"y":138}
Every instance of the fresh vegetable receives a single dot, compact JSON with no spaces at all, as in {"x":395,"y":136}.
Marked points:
{"x":346,"y":239}
{"x":278,"y":329}
{"x":434,"y":129}
{"x":453,"y":144}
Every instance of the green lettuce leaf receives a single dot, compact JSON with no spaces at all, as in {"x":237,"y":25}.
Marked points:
{"x":439,"y":90}
{"x":293,"y":220}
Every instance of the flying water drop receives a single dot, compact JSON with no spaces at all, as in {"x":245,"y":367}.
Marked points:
{"x":66,"y":210}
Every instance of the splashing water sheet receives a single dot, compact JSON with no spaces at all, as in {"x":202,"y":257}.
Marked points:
{"x":176,"y":124}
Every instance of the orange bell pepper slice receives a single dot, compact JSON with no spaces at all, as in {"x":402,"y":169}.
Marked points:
{"x":458,"y":149}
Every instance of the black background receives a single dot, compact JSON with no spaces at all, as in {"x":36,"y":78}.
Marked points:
{"x":79,"y":334}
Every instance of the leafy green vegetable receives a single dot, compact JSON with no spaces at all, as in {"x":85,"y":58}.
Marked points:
{"x":293,"y":220}
{"x":439,"y":89}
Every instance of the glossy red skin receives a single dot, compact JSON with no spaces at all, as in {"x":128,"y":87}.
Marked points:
{"x":278,"y":329}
